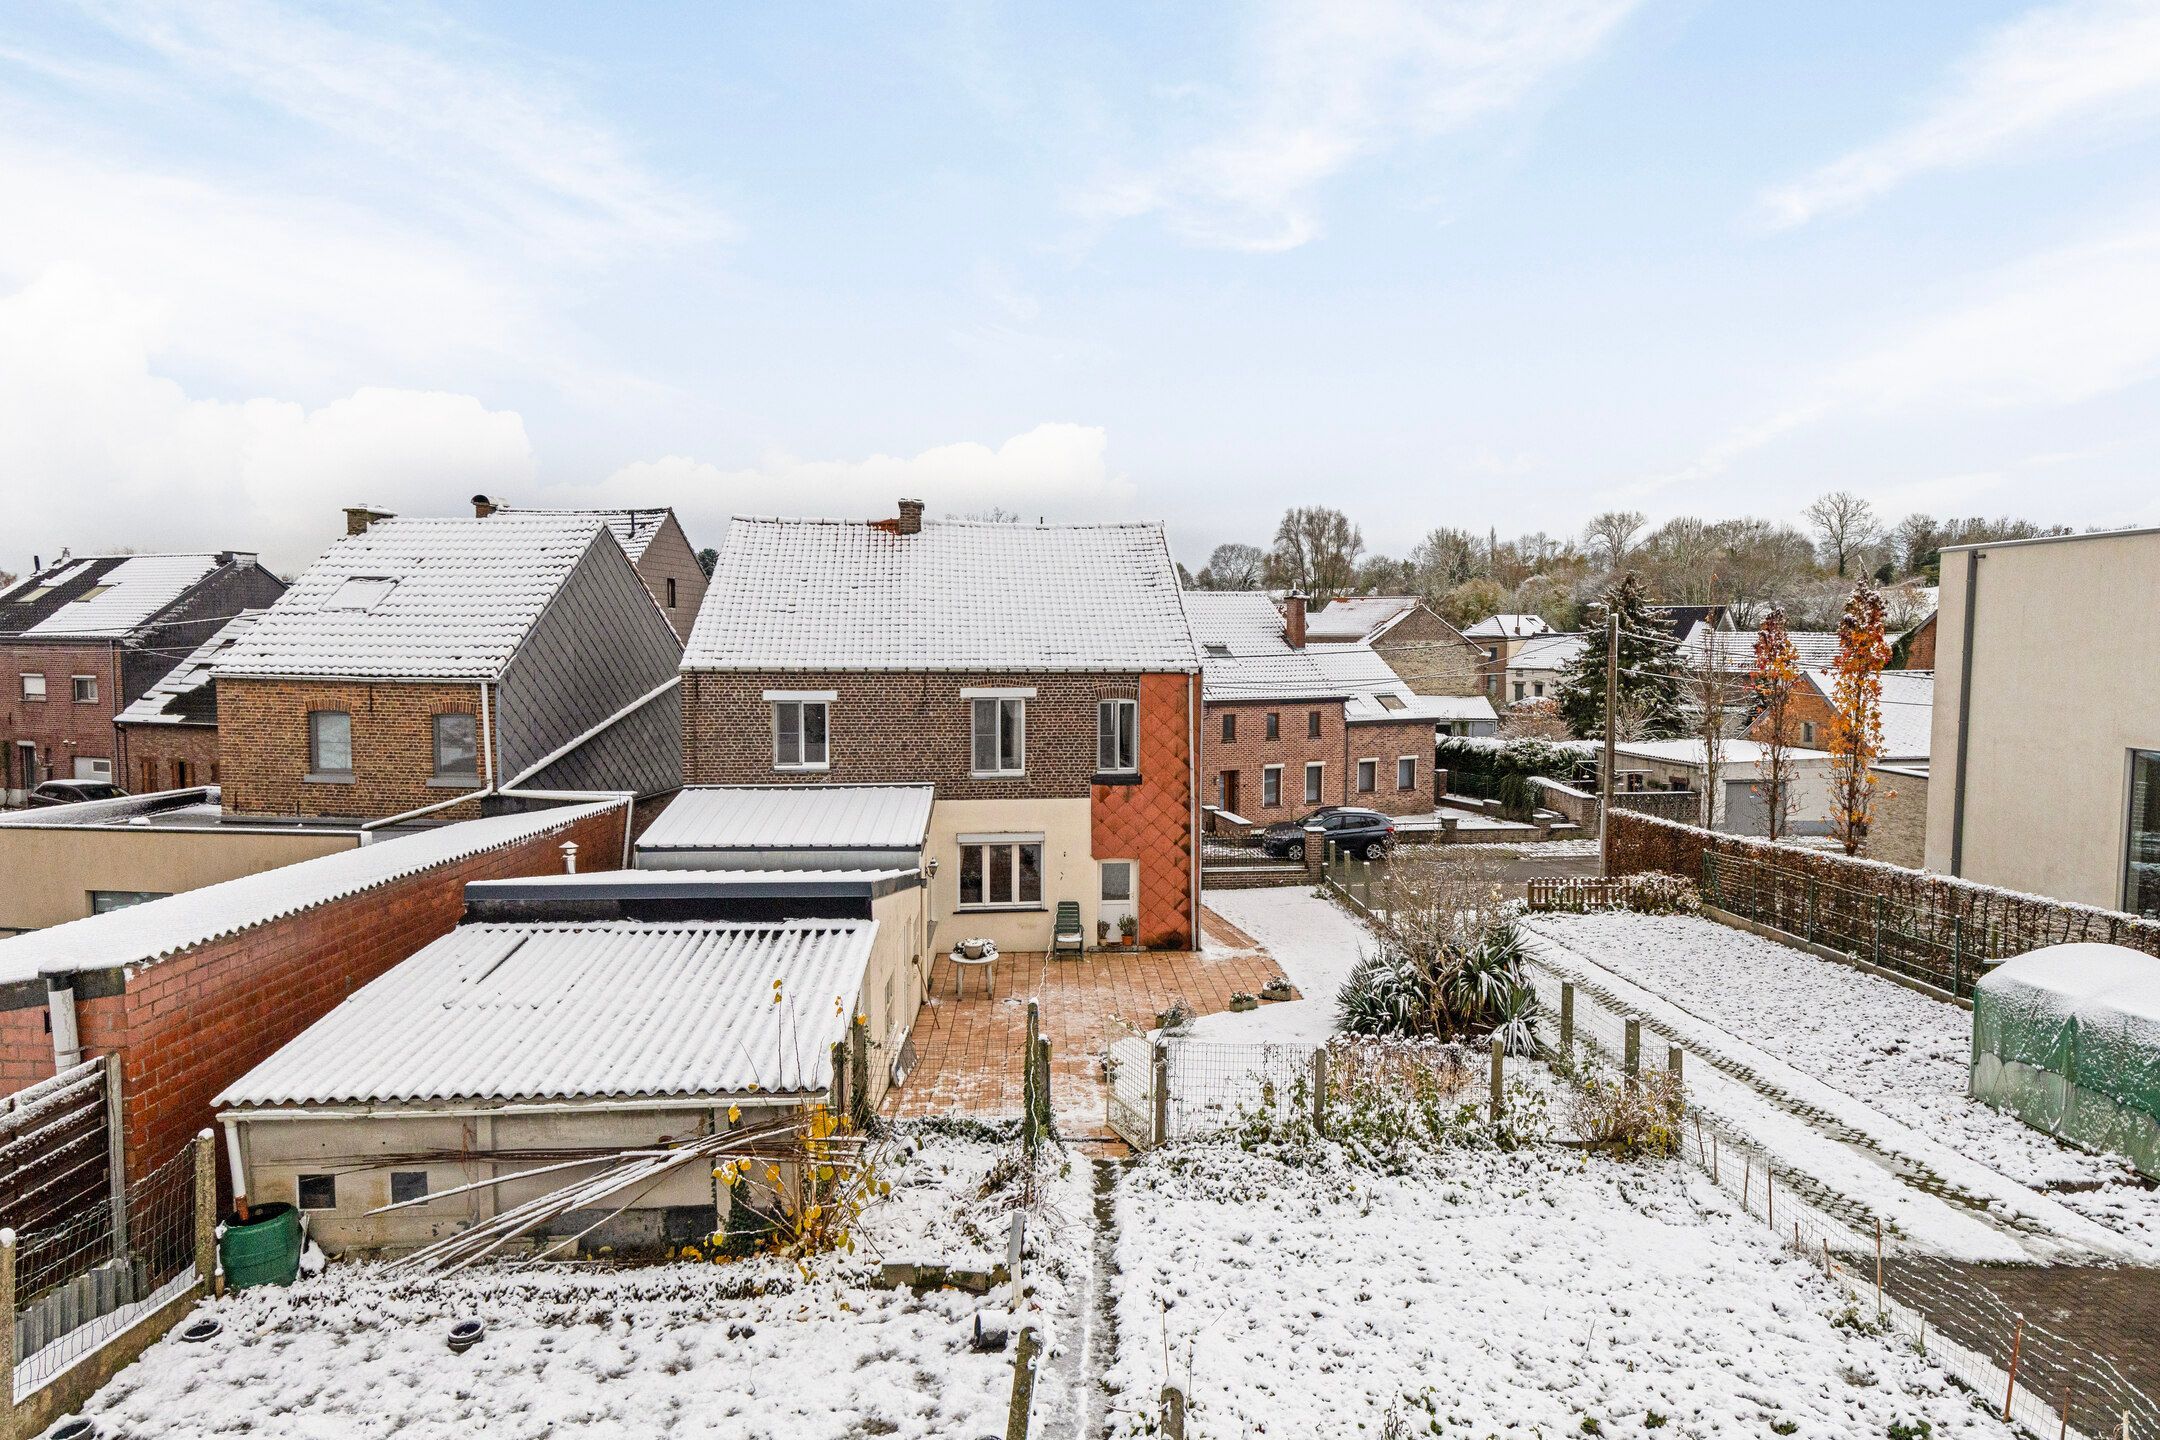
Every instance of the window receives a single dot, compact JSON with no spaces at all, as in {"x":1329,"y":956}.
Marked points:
{"x":1807,"y":732}
{"x":1519,"y":687}
{"x":408,"y":1185}
{"x":1271,"y":787}
{"x":1406,"y":773}
{"x":671,"y":592}
{"x":1117,"y":736}
{"x":33,"y":686}
{"x":457,"y":752}
{"x":361,"y":592}
{"x":1000,"y":871}
{"x":317,"y":1192}
{"x":1538,"y":689}
{"x":104,"y":900}
{"x":1229,"y":727}
{"x":1313,"y":774}
{"x":85,"y":689}
{"x":330,"y":743}
{"x":1312,"y":724}
{"x":1000,"y":734}
{"x":1492,"y":684}
{"x":801,"y":732}
{"x":179,"y":775}
{"x":2141,"y":860}
{"x":1117,"y":877}
{"x":1274,"y":725}
{"x":1368,"y":777}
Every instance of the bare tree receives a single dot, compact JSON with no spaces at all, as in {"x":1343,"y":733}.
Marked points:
{"x":1610,"y":534}
{"x":1534,"y":719}
{"x":1445,"y":559}
{"x":1234,"y":566}
{"x":1774,"y":682}
{"x":1316,"y":551}
{"x":1845,"y":524}
{"x":1714,"y":694}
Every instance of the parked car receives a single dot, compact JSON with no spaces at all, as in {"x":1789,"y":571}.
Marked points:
{"x":68,"y":792}
{"x":1353,"y":828}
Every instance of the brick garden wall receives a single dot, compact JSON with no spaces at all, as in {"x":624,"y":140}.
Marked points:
{"x":190,"y":1024}
{"x":263,"y":747}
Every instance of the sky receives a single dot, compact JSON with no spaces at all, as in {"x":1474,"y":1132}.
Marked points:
{"x":1477,"y":263}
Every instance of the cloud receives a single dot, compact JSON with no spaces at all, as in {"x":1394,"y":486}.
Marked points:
{"x":116,"y":455}
{"x":2073,"y":70}
{"x":1326,"y":85}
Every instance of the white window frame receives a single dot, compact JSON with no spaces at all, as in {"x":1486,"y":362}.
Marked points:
{"x":435,"y":747}
{"x":1316,"y":782}
{"x":329,"y":1175}
{"x":1270,"y":777}
{"x":1117,"y":733}
{"x":1400,"y":761}
{"x":799,"y":701}
{"x":38,"y":691}
{"x":76,"y":684}
{"x":1132,"y":882}
{"x":314,"y":752}
{"x":994,"y":703}
{"x":985,"y":844}
{"x":1362,"y":787}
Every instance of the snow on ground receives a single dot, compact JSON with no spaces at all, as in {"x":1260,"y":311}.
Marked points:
{"x":1521,"y":1294}
{"x":1314,"y":941}
{"x":742,"y":1349}
{"x":1901,"y":1052}
{"x":1539,"y":849}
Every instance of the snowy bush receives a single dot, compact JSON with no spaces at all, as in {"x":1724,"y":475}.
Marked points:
{"x":1642,"y":1118}
{"x":1391,"y":1104}
{"x":1426,"y":980}
{"x":1653,"y":892}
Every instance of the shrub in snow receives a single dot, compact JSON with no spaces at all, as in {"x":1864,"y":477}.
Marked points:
{"x":1653,"y":892}
{"x":1425,"y":980}
{"x":1389,"y":1105}
{"x":1639,"y":1119}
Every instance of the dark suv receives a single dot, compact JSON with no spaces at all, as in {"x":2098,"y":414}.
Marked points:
{"x":69,"y":792}
{"x":1356,"y":830}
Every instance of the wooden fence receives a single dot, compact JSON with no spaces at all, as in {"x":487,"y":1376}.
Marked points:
{"x":1574,"y":894}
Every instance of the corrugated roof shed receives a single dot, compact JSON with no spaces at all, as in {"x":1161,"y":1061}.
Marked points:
{"x":186,"y":696}
{"x":624,"y":1010}
{"x":793,"y":817}
{"x":432,"y":599}
{"x":957,"y":595}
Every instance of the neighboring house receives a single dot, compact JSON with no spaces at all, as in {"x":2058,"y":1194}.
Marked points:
{"x":1533,"y":669}
{"x":421,"y":667}
{"x":1734,"y":650}
{"x":1043,"y":679}
{"x":1915,"y":649}
{"x":84,"y":638}
{"x":2046,"y":752}
{"x":169,"y":738}
{"x":1908,"y":707}
{"x":1502,"y":638}
{"x":1681,"y":620}
{"x":1426,"y":653}
{"x":1739,"y":807}
{"x":654,"y":540}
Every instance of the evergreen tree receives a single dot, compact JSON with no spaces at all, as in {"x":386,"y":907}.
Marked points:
{"x":1652,"y":677}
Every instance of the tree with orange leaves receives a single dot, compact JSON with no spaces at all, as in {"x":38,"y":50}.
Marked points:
{"x":1854,"y":736}
{"x":1774,"y":682}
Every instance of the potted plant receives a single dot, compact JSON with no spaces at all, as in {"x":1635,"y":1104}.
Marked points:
{"x":1102,"y":934}
{"x":1128,"y":927}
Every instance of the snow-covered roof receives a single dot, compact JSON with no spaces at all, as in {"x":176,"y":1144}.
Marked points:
{"x":139,"y":934}
{"x":435,"y":599}
{"x":1548,"y":652}
{"x":616,"y":1010}
{"x":185,"y":696}
{"x":957,"y":595}
{"x":1461,"y":707}
{"x":101,"y":596}
{"x":1244,"y":620}
{"x":792,"y":817}
{"x":1376,"y":691}
{"x":1357,"y":617}
{"x":1244,"y":655}
{"x":633,"y":528}
{"x":1690,"y":752}
{"x":1735,"y":649}
{"x":1908,"y":709}
{"x":1507,"y":627}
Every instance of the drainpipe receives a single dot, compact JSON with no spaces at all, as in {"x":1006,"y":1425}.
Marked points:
{"x":60,"y":1004}
{"x":239,"y":1170}
{"x":1964,"y":741}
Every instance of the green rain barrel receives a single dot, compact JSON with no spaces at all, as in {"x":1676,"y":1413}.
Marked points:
{"x":263,"y":1249}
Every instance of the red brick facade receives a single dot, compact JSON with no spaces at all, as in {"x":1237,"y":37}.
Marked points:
{"x":62,"y":729}
{"x":1385,"y":743}
{"x":1247,"y":752}
{"x":166,"y":757}
{"x":190,"y":1024}
{"x":263,"y":747}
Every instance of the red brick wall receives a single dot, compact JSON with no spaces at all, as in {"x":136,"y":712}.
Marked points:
{"x":1251,"y":751}
{"x":62,"y":729}
{"x":263,"y":747}
{"x":150,"y":756}
{"x":1431,"y":656}
{"x":1920,"y":648}
{"x":191,"y":1024}
{"x":1807,"y":720}
{"x":1152,"y":822}
{"x":1388,"y":741}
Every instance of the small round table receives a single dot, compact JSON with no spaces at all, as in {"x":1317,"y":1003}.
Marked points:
{"x":962,"y":963}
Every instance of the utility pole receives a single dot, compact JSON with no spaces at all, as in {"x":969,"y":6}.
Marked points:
{"x":1612,"y":716}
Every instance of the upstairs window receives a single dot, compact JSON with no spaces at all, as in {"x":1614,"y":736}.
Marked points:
{"x":85,"y":689}
{"x":1312,"y":724}
{"x":33,"y":686}
{"x":1117,"y":736}
{"x":1000,"y":734}
{"x":361,"y":592}
{"x":671,"y":592}
{"x":1229,"y":727}
{"x":457,"y":750}
{"x":330,"y":743}
{"x":800,"y":732}
{"x":1274,"y":725}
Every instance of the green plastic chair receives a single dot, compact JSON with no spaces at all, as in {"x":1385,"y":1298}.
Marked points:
{"x":1066,"y":933}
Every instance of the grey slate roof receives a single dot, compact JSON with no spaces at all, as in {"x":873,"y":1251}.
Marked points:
{"x":958,"y":595}
{"x":186,"y":695}
{"x":102,"y":596}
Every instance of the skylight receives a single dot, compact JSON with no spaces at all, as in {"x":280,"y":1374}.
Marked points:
{"x":361,"y":592}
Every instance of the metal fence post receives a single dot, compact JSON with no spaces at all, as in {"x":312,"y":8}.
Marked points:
{"x":206,"y":1207}
{"x":7,"y":1314}
{"x":1957,"y":951}
{"x":1567,"y":1018}
{"x":116,"y":1155}
{"x":1319,"y":1090}
{"x":1631,"y":1049}
{"x":1811,"y":909}
{"x":1878,"y":932}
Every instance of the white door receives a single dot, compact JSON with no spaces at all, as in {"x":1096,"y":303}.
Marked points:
{"x":1116,"y":900}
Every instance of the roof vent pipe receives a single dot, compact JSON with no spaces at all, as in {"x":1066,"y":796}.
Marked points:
{"x":569,"y":857}
{"x":66,"y":1038}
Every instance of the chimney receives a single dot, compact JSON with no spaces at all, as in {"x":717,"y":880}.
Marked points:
{"x":1293,"y":614}
{"x":910,"y":522}
{"x":359,"y":517}
{"x":482,"y":507}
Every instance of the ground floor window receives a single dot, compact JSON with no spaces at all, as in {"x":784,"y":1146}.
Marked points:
{"x":409,"y":1185}
{"x":1368,"y":777}
{"x":1271,"y":787}
{"x":1000,"y":871}
{"x":1315,"y":777}
{"x":2141,"y":865}
{"x":317,"y":1192}
{"x":1406,"y":773}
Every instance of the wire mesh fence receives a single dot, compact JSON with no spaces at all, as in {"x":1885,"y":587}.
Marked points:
{"x":2033,"y":1374}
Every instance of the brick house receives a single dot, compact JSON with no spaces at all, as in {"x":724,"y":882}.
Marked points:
{"x":1500,"y":638}
{"x":84,"y":638}
{"x":168,"y":738}
{"x":657,"y":546}
{"x":1426,"y":653}
{"x":1041,"y":678}
{"x":437,"y":669}
{"x":1915,"y":649}
{"x":1291,"y":726}
{"x":1908,"y":713}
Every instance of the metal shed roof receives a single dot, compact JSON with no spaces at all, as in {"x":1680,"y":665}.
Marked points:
{"x":793,"y":817}
{"x":537,"y":1013}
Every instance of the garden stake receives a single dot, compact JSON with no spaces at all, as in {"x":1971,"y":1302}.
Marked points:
{"x":2017,"y":1343}
{"x":2064,"y":1432}
{"x":1769,"y":1182}
{"x":1713,"y":1158}
{"x":1878,"y":1265}
{"x":1747,"y":1176}
{"x":1499,"y":1050}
